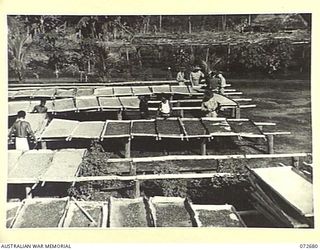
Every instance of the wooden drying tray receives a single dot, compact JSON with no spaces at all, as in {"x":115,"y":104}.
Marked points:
{"x":217,"y":208}
{"x":93,"y":106}
{"x":143,"y":134}
{"x":104,"y":136}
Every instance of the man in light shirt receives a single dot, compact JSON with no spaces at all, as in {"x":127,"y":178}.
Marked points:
{"x":195,"y":76}
{"x":164,"y":109}
{"x":223,"y":83}
{"x":180,"y":76}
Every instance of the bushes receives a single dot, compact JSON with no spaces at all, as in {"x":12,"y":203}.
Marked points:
{"x":267,"y":57}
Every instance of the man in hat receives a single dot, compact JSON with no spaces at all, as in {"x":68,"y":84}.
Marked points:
{"x":180,"y":76}
{"x":21,"y":129}
{"x":195,"y":76}
{"x":210,"y":106}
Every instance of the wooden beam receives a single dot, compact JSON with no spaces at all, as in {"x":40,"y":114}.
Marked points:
{"x":247,"y":106}
{"x":277,"y":133}
{"x":139,"y":177}
{"x":265,"y":123}
{"x":233,"y":93}
{"x":208,"y":157}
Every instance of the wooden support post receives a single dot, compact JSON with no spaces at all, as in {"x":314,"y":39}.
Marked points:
{"x":270,"y":144}
{"x":127,"y":148}
{"x":237,"y":112}
{"x":181,"y":113}
{"x":203,"y":148}
{"x":119,"y":115}
{"x":43,"y":145}
{"x":136,"y":187}
{"x":295,"y":162}
{"x":28,"y":193}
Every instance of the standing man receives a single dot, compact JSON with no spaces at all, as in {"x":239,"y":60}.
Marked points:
{"x":223,"y":83}
{"x":195,"y":76}
{"x":144,"y":107}
{"x":180,"y":76}
{"x":21,"y":129}
{"x":41,"y":108}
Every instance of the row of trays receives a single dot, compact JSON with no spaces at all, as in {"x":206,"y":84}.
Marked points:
{"x":156,"y":211}
{"x":160,"y":128}
{"x":52,"y":93}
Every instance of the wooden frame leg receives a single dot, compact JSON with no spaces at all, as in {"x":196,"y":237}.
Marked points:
{"x":28,"y":193}
{"x":295,"y":162}
{"x":120,"y":114}
{"x":237,"y":112}
{"x":43,"y":145}
{"x":203,"y":147}
{"x":127,"y":148}
{"x":270,"y":139}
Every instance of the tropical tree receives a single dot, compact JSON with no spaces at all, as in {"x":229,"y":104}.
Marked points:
{"x":19,"y":41}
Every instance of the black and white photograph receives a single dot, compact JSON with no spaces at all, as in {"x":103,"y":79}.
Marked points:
{"x":138,"y":121}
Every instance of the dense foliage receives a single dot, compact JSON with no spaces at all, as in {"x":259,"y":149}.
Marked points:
{"x":102,"y":46}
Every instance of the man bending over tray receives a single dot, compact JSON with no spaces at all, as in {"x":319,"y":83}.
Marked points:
{"x":210,"y":106}
{"x":41,"y":108}
{"x":21,"y":129}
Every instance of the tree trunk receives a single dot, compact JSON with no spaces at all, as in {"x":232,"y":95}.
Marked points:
{"x":224,"y":22}
{"x":160,"y":23}
{"x":191,"y":54}
{"x":190,"y":25}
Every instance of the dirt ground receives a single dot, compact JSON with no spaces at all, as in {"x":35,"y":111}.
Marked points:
{"x":288,"y":104}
